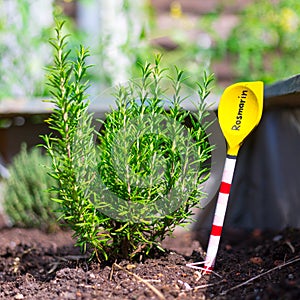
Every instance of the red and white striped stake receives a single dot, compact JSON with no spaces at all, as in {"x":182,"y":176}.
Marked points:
{"x":240,"y":110}
{"x":220,"y":212}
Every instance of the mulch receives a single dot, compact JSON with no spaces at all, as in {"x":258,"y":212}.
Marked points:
{"x":35,"y":265}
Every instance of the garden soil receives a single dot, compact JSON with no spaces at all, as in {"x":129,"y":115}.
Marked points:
{"x":35,"y":265}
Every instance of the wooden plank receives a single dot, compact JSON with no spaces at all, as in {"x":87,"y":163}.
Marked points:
{"x":10,"y":108}
{"x":285,"y":93}
{"x":24,"y":106}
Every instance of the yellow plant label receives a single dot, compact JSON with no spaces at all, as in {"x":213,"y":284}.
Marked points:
{"x":240,"y":110}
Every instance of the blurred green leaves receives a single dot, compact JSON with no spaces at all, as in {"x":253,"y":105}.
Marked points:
{"x":263,"y":45}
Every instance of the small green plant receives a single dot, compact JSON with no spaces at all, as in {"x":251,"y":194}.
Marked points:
{"x":127,"y":193}
{"x":25,"y":199}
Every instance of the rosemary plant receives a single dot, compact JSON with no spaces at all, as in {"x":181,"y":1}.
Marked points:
{"x":123,"y":196}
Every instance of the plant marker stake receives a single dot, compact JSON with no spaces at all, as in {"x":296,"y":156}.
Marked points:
{"x":240,"y":110}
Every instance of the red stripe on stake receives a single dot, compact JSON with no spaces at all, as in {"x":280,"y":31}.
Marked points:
{"x":216,"y":230}
{"x":207,"y":270}
{"x":225,"y":187}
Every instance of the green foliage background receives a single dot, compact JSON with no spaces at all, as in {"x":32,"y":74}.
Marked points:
{"x":263,"y":45}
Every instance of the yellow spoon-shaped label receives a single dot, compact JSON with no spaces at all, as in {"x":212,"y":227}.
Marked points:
{"x":240,"y":110}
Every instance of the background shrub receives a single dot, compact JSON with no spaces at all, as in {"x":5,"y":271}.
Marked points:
{"x":26,"y":201}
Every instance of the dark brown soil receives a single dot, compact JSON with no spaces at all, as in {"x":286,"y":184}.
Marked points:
{"x":34,"y":265}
